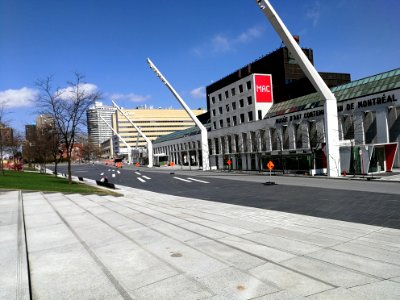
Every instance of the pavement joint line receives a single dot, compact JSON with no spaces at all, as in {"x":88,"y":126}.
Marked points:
{"x":228,"y":265}
{"x":124,"y":294}
{"x":22,"y":254}
{"x":322,"y":248}
{"x":276,"y":248}
{"x":238,"y":249}
{"x":179,"y":271}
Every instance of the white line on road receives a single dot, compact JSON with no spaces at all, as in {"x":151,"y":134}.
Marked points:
{"x":141,"y":179}
{"x":137,"y":173}
{"x":148,"y":178}
{"x":198,"y":180}
{"x":182,"y":179}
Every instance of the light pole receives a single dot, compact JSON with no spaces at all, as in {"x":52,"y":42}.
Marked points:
{"x":330,"y":106}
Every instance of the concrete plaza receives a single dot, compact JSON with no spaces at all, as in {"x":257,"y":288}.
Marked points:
{"x":148,"y":245}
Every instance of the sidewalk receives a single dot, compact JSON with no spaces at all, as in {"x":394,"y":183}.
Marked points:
{"x":147,"y":245}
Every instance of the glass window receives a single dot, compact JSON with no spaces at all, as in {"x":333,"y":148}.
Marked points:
{"x":213,"y":100}
{"x":213,"y":112}
{"x":248,"y":84}
{"x":219,"y":97}
{"x":234,"y":121}
{"x":260,"y":114}
{"x":228,"y":122}
{"x":226,"y":94}
{"x":240,"y":88}
{"x":233,"y":105}
{"x":220,"y":110}
{"x":233,"y":91}
{"x":241,"y":103}
{"x":227,"y":107}
{"x":250,"y":115}
{"x":221,"y":123}
{"x":241,"y":118}
{"x":249,"y":100}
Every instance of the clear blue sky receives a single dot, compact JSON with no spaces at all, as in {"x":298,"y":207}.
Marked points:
{"x":192,"y":42}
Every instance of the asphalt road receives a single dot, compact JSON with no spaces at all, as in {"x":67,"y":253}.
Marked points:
{"x":374,"y":203}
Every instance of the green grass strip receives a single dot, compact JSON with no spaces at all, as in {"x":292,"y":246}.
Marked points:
{"x":31,"y":181}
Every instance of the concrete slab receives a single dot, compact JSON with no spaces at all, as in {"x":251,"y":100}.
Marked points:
{"x":186,"y":259}
{"x":287,"y":279}
{"x":287,"y":244}
{"x":132,"y":266}
{"x":339,"y":293}
{"x":176,"y":287}
{"x":14,"y":278}
{"x":230,"y":283}
{"x":281,"y":295}
{"x":255,"y":249}
{"x":372,"y":253}
{"x":328,"y":272}
{"x":229,"y":255}
{"x":68,"y":273}
{"x":357,"y":263}
{"x":379,"y":290}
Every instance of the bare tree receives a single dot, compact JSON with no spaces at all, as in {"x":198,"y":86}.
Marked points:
{"x":68,"y":107}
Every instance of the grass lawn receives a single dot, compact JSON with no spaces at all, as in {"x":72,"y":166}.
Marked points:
{"x":14,"y":180}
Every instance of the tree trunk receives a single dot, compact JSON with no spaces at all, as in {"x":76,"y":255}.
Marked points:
{"x":69,"y":170}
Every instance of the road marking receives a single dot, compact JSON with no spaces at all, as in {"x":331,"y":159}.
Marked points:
{"x":137,"y":173}
{"x":182,"y":179}
{"x":148,"y":178}
{"x":198,"y":180}
{"x":81,"y":171}
{"x":141,"y":179}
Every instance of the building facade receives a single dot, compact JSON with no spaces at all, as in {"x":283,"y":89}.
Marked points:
{"x":153,"y":122}
{"x":98,"y":131}
{"x":292,"y":133}
{"x":288,"y":80}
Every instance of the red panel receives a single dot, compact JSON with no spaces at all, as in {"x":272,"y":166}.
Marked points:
{"x":263,"y":87}
{"x":390,"y":152}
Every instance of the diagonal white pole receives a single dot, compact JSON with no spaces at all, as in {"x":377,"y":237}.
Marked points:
{"x":203,"y":130}
{"x":330,"y":107}
{"x":120,"y":137}
{"x":149,"y":143}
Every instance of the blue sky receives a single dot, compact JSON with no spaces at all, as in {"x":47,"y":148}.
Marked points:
{"x":193,"y":43}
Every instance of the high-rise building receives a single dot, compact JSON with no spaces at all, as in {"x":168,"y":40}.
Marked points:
{"x":98,"y":131}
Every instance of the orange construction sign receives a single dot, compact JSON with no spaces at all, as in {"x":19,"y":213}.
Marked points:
{"x":270,"y":165}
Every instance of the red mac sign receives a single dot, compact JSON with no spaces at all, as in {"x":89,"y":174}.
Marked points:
{"x":263,"y":87}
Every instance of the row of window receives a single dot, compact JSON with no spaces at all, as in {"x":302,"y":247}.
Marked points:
{"x":156,"y":121}
{"x":232,"y":92}
{"x":235,"y":120}
{"x":233,"y":105}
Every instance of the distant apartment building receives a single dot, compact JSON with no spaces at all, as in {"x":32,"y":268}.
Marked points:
{"x":44,"y":121}
{"x":98,"y":130}
{"x":6,"y":134}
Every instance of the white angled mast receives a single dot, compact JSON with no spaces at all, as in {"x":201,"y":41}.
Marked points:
{"x":331,"y":118}
{"x":149,"y":143}
{"x":203,"y":130}
{"x":120,"y":137}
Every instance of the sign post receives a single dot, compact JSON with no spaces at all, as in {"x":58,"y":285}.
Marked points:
{"x":270,"y":166}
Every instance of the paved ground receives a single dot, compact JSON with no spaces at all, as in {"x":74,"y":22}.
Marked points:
{"x":148,"y":245}
{"x":361,"y":201}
